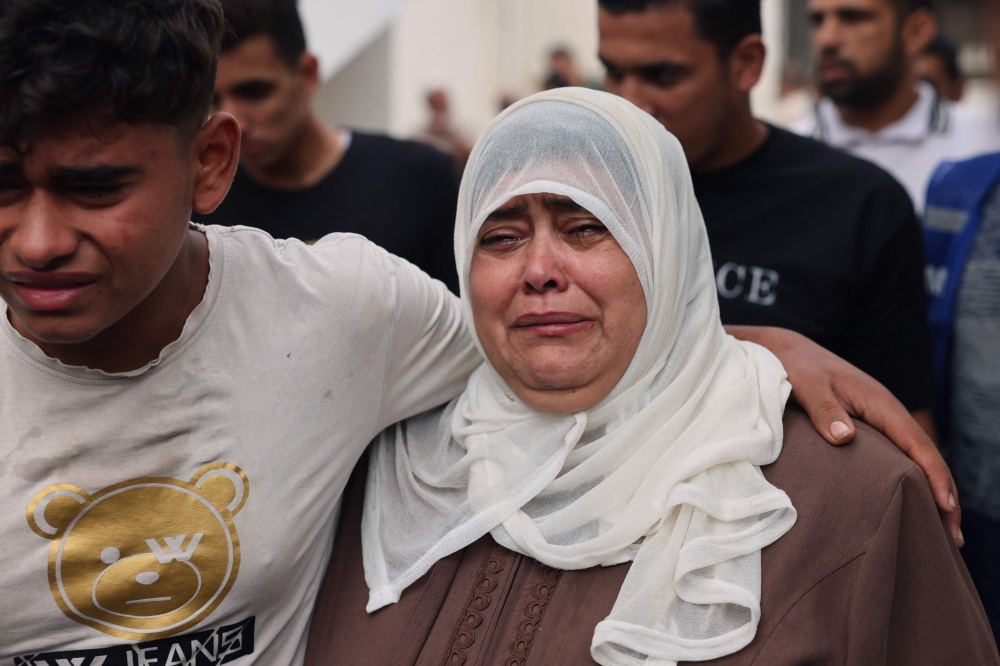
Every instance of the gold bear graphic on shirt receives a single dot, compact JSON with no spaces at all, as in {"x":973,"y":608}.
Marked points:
{"x":145,"y":558}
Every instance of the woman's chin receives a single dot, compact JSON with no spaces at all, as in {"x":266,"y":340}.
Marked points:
{"x":560,"y":394}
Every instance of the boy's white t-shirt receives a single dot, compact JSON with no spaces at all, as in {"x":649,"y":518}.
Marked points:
{"x":184,"y":513}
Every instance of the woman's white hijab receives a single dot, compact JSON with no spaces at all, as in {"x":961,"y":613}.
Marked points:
{"x":663,"y":472}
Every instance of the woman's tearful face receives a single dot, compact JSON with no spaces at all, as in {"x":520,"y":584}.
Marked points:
{"x":557,"y":304}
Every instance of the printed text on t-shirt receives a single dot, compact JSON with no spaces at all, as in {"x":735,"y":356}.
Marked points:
{"x":751,"y":283}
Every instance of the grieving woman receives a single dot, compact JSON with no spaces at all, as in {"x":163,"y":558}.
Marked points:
{"x":596,"y":494}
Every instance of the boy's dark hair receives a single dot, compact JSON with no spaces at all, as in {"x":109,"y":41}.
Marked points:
{"x":907,"y":7}
{"x":725,"y":23}
{"x":138,"y":61}
{"x":945,"y":49}
{"x":277,"y":19}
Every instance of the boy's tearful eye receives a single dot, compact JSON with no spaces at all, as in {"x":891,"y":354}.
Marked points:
{"x":94,"y":191}
{"x":98,"y":186}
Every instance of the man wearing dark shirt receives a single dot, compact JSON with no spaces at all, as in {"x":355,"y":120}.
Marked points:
{"x":810,"y":239}
{"x":803,"y":237}
{"x":299,"y":178}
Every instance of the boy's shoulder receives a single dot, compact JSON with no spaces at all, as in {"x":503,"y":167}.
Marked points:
{"x":340,"y":268}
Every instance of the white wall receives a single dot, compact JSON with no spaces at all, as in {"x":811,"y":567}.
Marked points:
{"x":478,"y":50}
{"x":764,"y":97}
{"x":453,"y":44}
{"x":337,"y":30}
{"x":359,"y":95}
{"x":549,"y":23}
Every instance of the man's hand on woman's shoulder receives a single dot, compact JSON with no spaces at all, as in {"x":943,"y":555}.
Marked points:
{"x":831,"y":391}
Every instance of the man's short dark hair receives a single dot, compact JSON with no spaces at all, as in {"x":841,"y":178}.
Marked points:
{"x":725,"y":23}
{"x":907,"y":7}
{"x":277,"y":19}
{"x":137,"y":61}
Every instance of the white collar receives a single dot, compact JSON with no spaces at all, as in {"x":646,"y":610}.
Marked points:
{"x":927,"y":116}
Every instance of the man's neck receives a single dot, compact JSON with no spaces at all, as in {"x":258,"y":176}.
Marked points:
{"x":885,"y":114}
{"x":316,"y":152}
{"x":138,"y":338}
{"x":744,"y":137}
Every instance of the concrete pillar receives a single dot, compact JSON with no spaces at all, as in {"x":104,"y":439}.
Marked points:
{"x":764,"y":97}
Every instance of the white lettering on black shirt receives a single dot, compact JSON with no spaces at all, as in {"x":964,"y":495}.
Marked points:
{"x":761,"y":288}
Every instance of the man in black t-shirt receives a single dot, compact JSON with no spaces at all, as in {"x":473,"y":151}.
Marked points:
{"x":299,"y":178}
{"x":803,"y":237}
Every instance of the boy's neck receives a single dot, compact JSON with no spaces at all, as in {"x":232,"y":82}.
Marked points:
{"x":138,"y":338}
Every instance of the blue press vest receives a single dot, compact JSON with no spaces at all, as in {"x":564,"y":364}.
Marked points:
{"x":955,"y":199}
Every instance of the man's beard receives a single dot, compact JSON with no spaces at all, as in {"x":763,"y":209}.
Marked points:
{"x":868,"y":91}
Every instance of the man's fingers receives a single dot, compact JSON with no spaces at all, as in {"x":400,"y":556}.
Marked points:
{"x":889,"y":416}
{"x":832,"y":390}
{"x":840,"y":431}
{"x":953,"y":521}
{"x":942,"y":485}
{"x":828,"y":416}
{"x":919,"y":447}
{"x":914,"y":442}
{"x":926,"y":455}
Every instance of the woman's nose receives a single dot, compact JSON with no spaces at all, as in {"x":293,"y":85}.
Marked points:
{"x":545,"y":269}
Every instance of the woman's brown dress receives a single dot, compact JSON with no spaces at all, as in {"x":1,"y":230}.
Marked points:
{"x":867,"y":576}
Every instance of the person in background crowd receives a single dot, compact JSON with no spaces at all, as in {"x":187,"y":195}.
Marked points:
{"x":562,"y":70}
{"x":442,"y":133}
{"x":874,"y":106}
{"x":938,"y":66}
{"x":962,"y":239}
{"x":803,"y":236}
{"x":300,"y":178}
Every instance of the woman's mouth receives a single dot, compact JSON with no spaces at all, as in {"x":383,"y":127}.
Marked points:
{"x":553,"y":324}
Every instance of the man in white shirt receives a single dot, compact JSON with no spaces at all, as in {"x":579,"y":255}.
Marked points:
{"x":181,"y":405}
{"x":874,"y":106}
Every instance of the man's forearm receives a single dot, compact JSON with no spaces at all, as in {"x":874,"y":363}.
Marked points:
{"x":770,"y":337}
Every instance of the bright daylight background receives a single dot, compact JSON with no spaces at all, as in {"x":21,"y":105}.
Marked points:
{"x":380,"y":57}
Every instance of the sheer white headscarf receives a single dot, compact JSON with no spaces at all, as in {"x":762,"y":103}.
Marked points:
{"x":664,"y":472}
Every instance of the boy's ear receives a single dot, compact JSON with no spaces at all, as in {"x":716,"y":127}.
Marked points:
{"x":215,"y":152}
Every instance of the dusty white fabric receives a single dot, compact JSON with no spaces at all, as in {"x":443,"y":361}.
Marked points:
{"x":663,"y":472}
{"x":296,"y":358}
